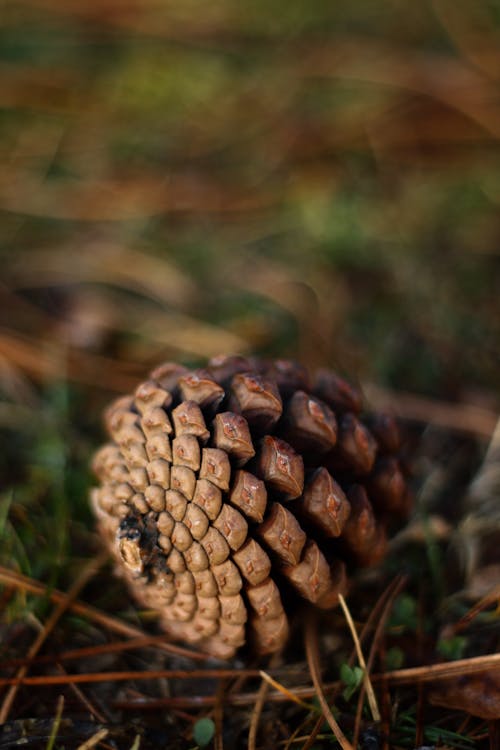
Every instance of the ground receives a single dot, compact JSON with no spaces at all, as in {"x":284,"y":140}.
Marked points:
{"x":286,"y":179}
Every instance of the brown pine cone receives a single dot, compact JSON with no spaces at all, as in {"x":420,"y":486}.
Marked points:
{"x":227,"y":492}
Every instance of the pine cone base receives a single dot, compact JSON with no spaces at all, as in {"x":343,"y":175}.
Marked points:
{"x":225,"y":492}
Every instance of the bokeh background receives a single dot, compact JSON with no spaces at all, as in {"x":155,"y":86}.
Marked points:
{"x":299,"y":178}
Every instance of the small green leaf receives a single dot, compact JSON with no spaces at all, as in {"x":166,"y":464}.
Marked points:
{"x":452,"y":648}
{"x":346,"y":674}
{"x":404,"y":613}
{"x":203,"y":731}
{"x":394,"y":658}
{"x":358,"y":675}
{"x":352,"y":678}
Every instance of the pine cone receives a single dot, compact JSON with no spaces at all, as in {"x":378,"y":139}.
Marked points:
{"x":228,"y":492}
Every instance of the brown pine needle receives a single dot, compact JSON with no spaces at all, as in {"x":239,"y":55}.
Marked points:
{"x":390,"y":595}
{"x":442,"y":671}
{"x":172,"y":674}
{"x":376,"y":614}
{"x":25,"y":583}
{"x":219,"y":715}
{"x":130,"y":644}
{"x":398,"y":677}
{"x":315,"y":731}
{"x":487,"y":600}
{"x":285,"y":691}
{"x":257,"y":710}
{"x":366,"y":678}
{"x":297,"y":732}
{"x":89,"y":706}
{"x":88,"y":572}
{"x":313,"y":662}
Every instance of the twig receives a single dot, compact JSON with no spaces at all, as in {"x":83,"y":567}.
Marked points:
{"x":366,"y":678}
{"x":313,"y":662}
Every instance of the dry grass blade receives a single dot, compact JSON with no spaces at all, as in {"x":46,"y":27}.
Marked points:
{"x":285,"y":691}
{"x":366,"y":677}
{"x":86,"y":575}
{"x":56,"y":724}
{"x":94,"y":740}
{"x":313,"y":662}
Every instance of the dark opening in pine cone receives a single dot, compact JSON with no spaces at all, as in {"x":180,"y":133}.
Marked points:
{"x":229,"y":493}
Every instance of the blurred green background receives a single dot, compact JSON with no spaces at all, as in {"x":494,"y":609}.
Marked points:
{"x":311,"y":179}
{"x":305,"y":179}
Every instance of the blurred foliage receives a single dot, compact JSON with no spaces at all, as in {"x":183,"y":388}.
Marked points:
{"x":322,"y":180}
